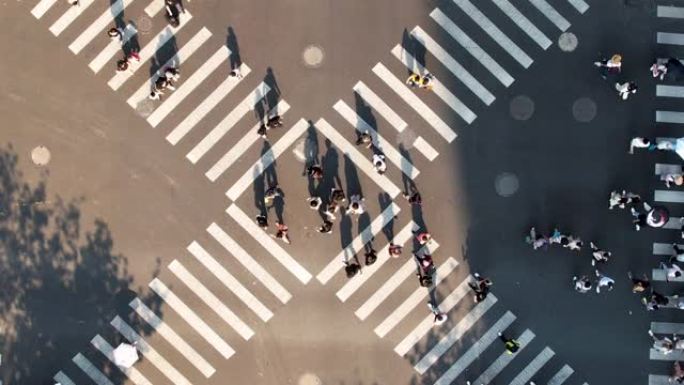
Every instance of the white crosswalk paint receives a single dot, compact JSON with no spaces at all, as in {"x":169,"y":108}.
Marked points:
{"x":269,"y":244}
{"x":676,"y":355}
{"x":148,"y":352}
{"x":249,"y":263}
{"x":178,"y":59}
{"x":533,"y":367}
{"x":674,"y":223}
{"x":428,"y":323}
{"x":437,"y":87}
{"x":670,"y":38}
{"x":358,"y":280}
{"x":380,"y":106}
{"x":503,"y":360}
{"x":242,"y":145}
{"x":668,"y":196}
{"x":659,"y":380}
{"x":670,"y":11}
{"x":669,"y":116}
{"x":172,"y":337}
{"x":663,"y":248}
{"x":88,"y":368}
{"x":556,"y":18}
{"x":191,"y":318}
{"x":205,"y":106}
{"x":267,"y":159}
{"x":189,"y":85}
{"x":561,"y":376}
{"x":69,"y":16}
{"x":660,"y":275}
{"x":112,"y":48}
{"x":414,"y":299}
{"x":386,"y":147}
{"x":452,"y":65}
{"x":358,"y":243}
{"x":228,"y":122}
{"x":211,"y":300}
{"x":494,"y":32}
{"x":98,"y":25}
{"x":668,"y":328}
{"x":425,"y":148}
{"x":524,"y":23}
{"x":154,"y":8}
{"x":666,"y":91}
{"x":63,"y":379}
{"x":667,"y":168}
{"x":42,"y":7}
{"x":230,"y":282}
{"x":458,"y":331}
{"x":399,"y":276}
{"x":579,"y":5}
{"x":472,"y":47}
{"x":148,"y":51}
{"x":105,"y":348}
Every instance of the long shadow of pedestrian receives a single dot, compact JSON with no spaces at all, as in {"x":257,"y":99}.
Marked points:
{"x":311,"y":158}
{"x":165,"y":52}
{"x":415,"y":50}
{"x":351,"y":176}
{"x":258,"y":184}
{"x":259,"y":105}
{"x":385,"y":201}
{"x":133,"y":44}
{"x":409,"y":184}
{"x":119,"y":20}
{"x":234,"y":47}
{"x":273,"y":97}
{"x":346,"y":233}
{"x":365,"y":113}
{"x":331,"y":177}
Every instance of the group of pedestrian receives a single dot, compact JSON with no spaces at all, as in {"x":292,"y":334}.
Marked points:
{"x":612,"y":67}
{"x":164,"y":82}
{"x":270,"y":195}
{"x":378,"y":157}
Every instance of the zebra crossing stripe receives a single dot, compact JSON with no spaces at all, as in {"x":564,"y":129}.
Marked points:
{"x":425,"y":148}
{"x":88,"y":368}
{"x":148,"y":352}
{"x":670,"y":11}
{"x":98,"y":25}
{"x":561,"y":376}
{"x":358,"y":280}
{"x":42,"y":7}
{"x":405,"y":271}
{"x":524,"y":23}
{"x":266,"y":160}
{"x":668,"y":196}
{"x":380,"y":106}
{"x":112,"y":49}
{"x":269,"y":243}
{"x":176,"y":97}
{"x":414,"y":299}
{"x":533,"y":367}
{"x":670,"y":38}
{"x":669,"y":116}
{"x":358,"y":243}
{"x":659,"y":380}
{"x":667,"y":328}
{"x":105,"y":348}
{"x":556,"y":18}
{"x":580,"y":6}
{"x":428,"y":323}
{"x":676,"y":355}
{"x":172,"y":337}
{"x":674,"y":223}
{"x":494,"y":32}
{"x":669,"y":91}
{"x":476,"y":350}
{"x":244,"y":144}
{"x":147,"y":52}
{"x":503,"y":360}
{"x":69,"y":16}
{"x":232,"y":284}
{"x":663,"y":248}
{"x":181,"y":56}
{"x":438,"y":88}
{"x":667,"y":168}
{"x":661,"y":275}
{"x":452,"y":65}
{"x":211,"y":300}
{"x":227,"y":123}
{"x":63,"y":379}
{"x":472,"y":47}
{"x":386,"y":147}
{"x":191,"y":318}
{"x":155,"y":6}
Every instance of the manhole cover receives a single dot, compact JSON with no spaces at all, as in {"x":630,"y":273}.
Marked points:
{"x":567,"y":41}
{"x":506,"y":184}
{"x":584,"y":110}
{"x":144,"y":24}
{"x":522,"y":107}
{"x":313,"y":56}
{"x":309,"y":379}
{"x":145,"y":107}
{"x":40,"y":156}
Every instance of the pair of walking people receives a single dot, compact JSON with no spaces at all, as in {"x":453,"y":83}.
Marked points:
{"x":611,"y":68}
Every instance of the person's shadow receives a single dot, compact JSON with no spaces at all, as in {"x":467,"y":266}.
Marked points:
{"x":234,"y":47}
{"x":273,"y":97}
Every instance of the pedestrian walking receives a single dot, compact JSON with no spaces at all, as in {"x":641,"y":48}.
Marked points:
{"x":379,"y":163}
{"x":262,"y":221}
{"x":511,"y":345}
{"x":394,"y":250}
{"x":480,"y":287}
{"x":655,"y":301}
{"x":414,"y":198}
{"x":625,"y":89}
{"x":574,"y":243}
{"x":314,"y":202}
{"x":621,"y":200}
{"x":610,"y":66}
{"x":172,"y":74}
{"x":676,"y":178}
{"x":582,"y":285}
{"x":423,"y":237}
{"x":115,"y":33}
{"x":331,"y":210}
{"x":356,"y":205}
{"x":236,"y":73}
{"x":274,"y":121}
{"x":677,"y":373}
{"x":326,"y":227}
{"x":371,"y":256}
{"x":315,"y":172}
{"x":678,"y":253}
{"x":281,"y":232}
{"x":639,"y":284}
{"x":426,"y":81}
{"x":351,"y":268}
{"x":639,"y":219}
{"x":271,"y":194}
{"x":337,"y":196}
{"x":672,"y":272}
{"x":413,"y":80}
{"x":659,"y":69}
{"x":365,"y":139}
{"x":440,"y":317}
{"x":603,"y":281}
{"x":426,"y":269}
{"x":536,"y":240}
{"x":598,"y":255}
{"x":161,"y":84}
{"x":640,"y":142}
{"x":662,"y":345}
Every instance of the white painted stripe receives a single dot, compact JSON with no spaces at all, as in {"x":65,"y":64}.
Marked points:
{"x":425,"y":148}
{"x":211,"y":300}
{"x":358,"y":280}
{"x":674,"y":223}
{"x":494,"y":32}
{"x":148,"y":52}
{"x":358,"y":243}
{"x":670,"y":38}
{"x":663,"y":248}
{"x":458,"y":331}
{"x":176,"y":97}
{"x":472,"y":47}
{"x":386,"y":147}
{"x":230,"y":282}
{"x":452,"y":65}
{"x":676,"y":355}
{"x":227,"y":123}
{"x":69,"y":16}
{"x":524,"y":23}
{"x":669,"y":117}
{"x":148,"y":352}
{"x":437,"y":87}
{"x":669,"y":91}
{"x":98,"y":25}
{"x":242,"y":145}
{"x":42,"y":7}
{"x":380,"y":106}
{"x":670,"y":11}
{"x":428,"y":323}
{"x":579,"y":5}
{"x":191,"y":318}
{"x":267,"y":159}
{"x":667,"y":328}
{"x":112,"y":48}
{"x":105,"y":348}
{"x":172,"y":337}
{"x":88,"y":368}
{"x":667,"y":168}
{"x":563,"y":374}
{"x":414,"y":299}
{"x":178,"y":59}
{"x":659,"y":380}
{"x":670,"y":196}
{"x":411,"y":99}
{"x":556,"y":18}
{"x":405,"y":271}
{"x":63,"y":379}
{"x":503,"y":360}
{"x":154,"y":8}
{"x":248,"y":262}
{"x":661,"y":275}
{"x":533,"y":367}
{"x":269,"y":243}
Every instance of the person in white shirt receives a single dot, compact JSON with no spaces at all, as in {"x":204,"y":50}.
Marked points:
{"x":662,"y":345}
{"x":440,"y":317}
{"x":672,"y":272}
{"x":356,"y":205}
{"x":677,"y":179}
{"x":379,"y":163}
{"x":626,"y":88}
{"x":639,"y":142}
{"x":582,"y":285}
{"x":598,"y":254}
{"x":603,"y":281}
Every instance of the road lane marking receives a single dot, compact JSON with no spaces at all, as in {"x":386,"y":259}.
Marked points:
{"x":88,"y":368}
{"x":63,"y":379}
{"x":533,"y":367}
{"x":380,"y":106}
{"x":503,"y":360}
{"x":556,"y":18}
{"x":581,"y":7}
{"x":105,"y":348}
{"x":42,"y":7}
{"x":524,"y":23}
{"x":561,"y":376}
{"x":425,"y":148}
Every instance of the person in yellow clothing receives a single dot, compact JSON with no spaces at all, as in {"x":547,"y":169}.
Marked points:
{"x":417,"y":81}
